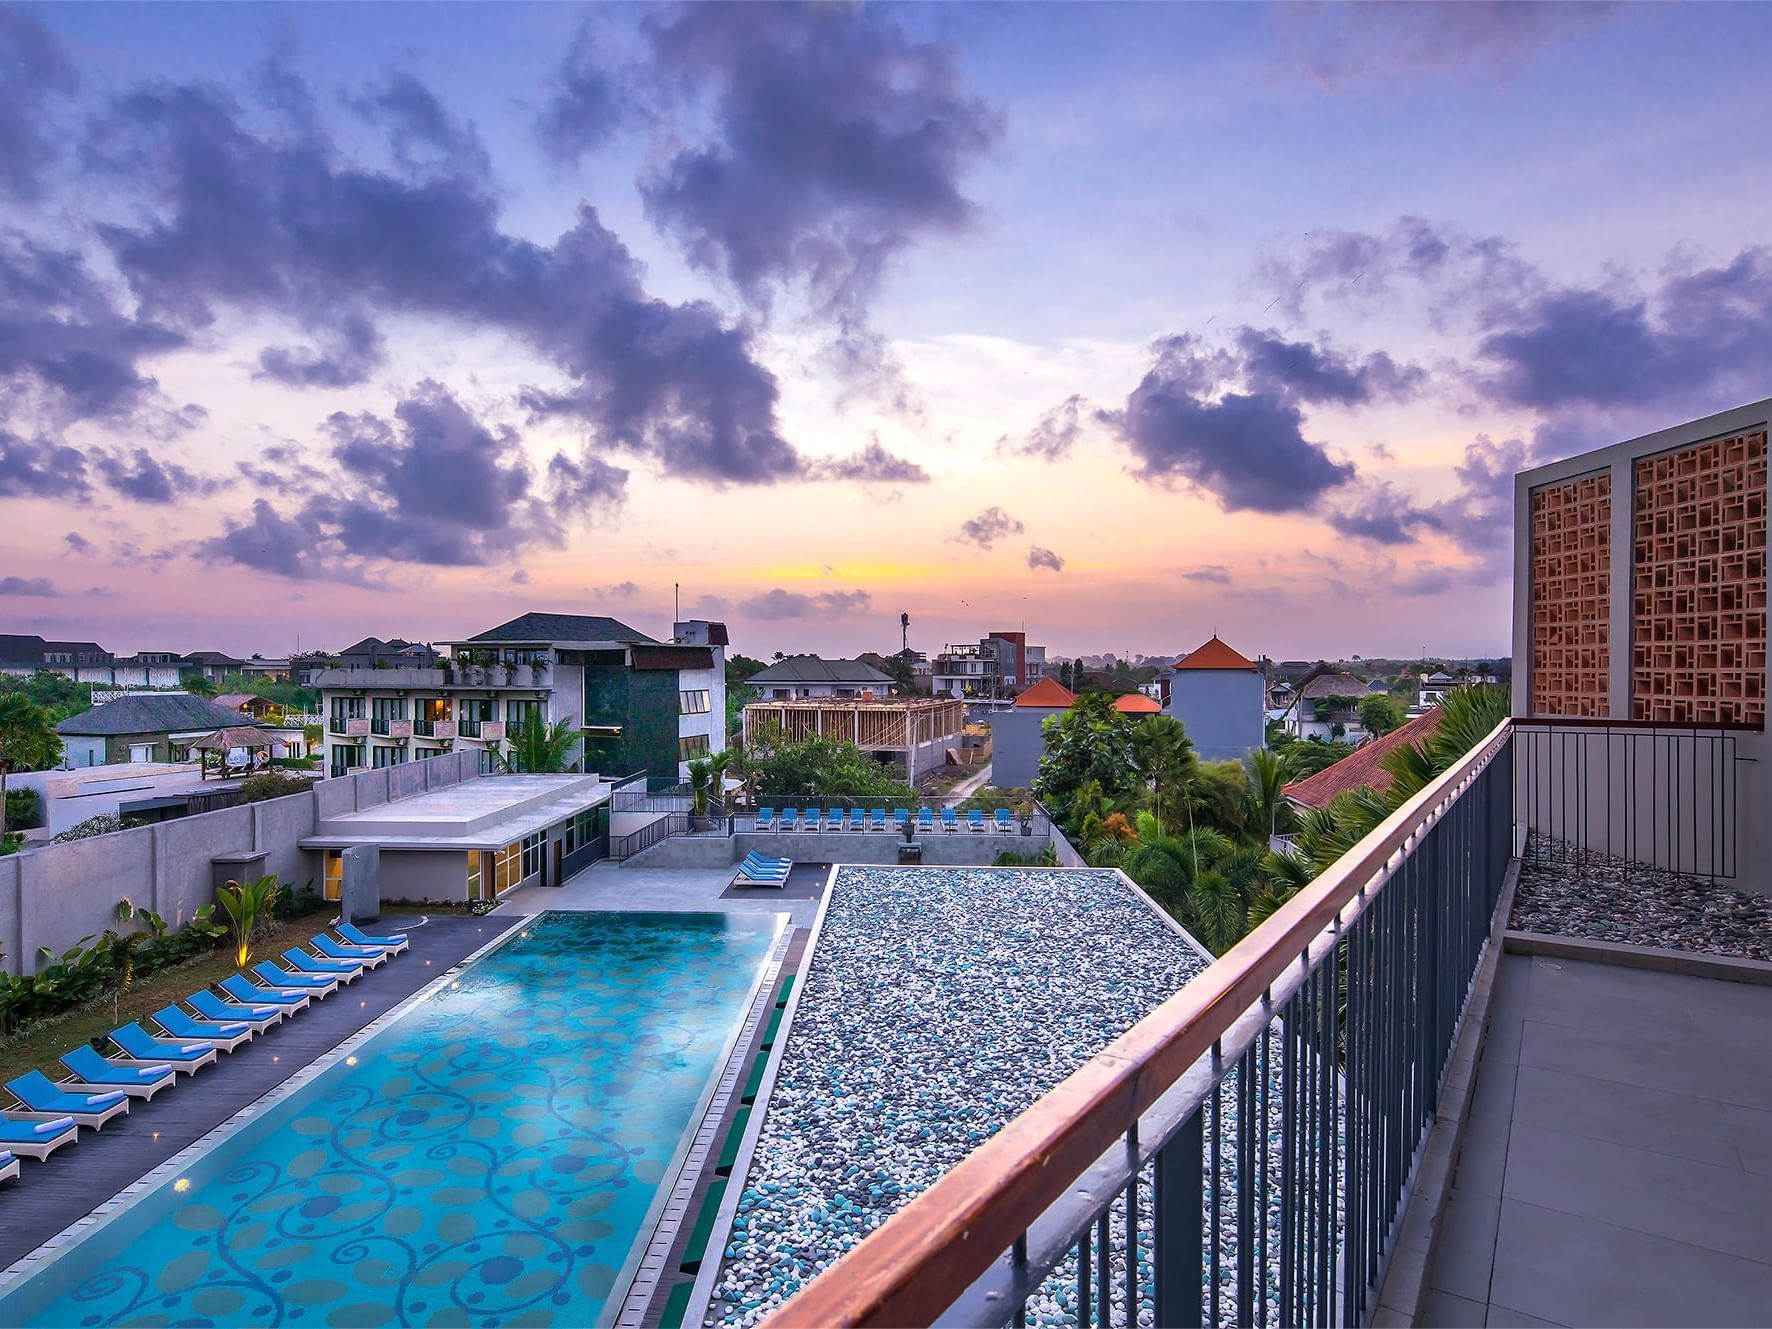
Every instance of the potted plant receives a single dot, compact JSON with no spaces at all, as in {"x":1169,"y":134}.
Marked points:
{"x":1024,"y":809}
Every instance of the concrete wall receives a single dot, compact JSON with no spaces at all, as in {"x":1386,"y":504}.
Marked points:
{"x":959,"y":849}
{"x":1222,"y":709}
{"x":431,"y":875}
{"x":57,"y":894}
{"x":1017,"y":745}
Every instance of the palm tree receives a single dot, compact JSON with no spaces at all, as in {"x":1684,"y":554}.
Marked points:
{"x":1164,"y":756}
{"x":1268,"y":810}
{"x":28,"y":742}
{"x":538,"y":747}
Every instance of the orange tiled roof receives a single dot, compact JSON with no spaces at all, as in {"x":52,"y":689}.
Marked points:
{"x":1136,"y":703}
{"x":1047,"y":692}
{"x":1364,"y":767}
{"x":1215,"y":655}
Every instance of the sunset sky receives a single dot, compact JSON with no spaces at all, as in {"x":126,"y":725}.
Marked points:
{"x":1130,"y":324}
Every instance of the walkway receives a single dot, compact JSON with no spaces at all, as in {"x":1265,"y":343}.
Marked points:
{"x":77,"y":1178}
{"x":972,"y":783}
{"x":1617,"y":1167}
{"x":609,"y":885}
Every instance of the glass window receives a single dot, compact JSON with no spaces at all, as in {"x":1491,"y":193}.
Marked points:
{"x":532,"y":849}
{"x":335,"y":874}
{"x":692,"y":746}
{"x":505,"y":873}
{"x":517,"y":713}
{"x":693,"y":703}
{"x":474,"y":874}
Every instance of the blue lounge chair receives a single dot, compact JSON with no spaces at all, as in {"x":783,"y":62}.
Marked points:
{"x":49,"y":1101}
{"x":764,"y":871}
{"x":184,"y":1056}
{"x":765,"y":819}
{"x":949,"y":821}
{"x":1003,"y":825}
{"x":858,"y":820}
{"x":311,"y":984}
{"x":345,"y":971}
{"x":789,"y":818}
{"x":900,"y":816}
{"x":393,"y":945}
{"x":259,"y":1016}
{"x":367,"y":956}
{"x":765,"y":862}
{"x":975,"y":819}
{"x":925,"y":819}
{"x":8,"y":1166}
{"x":225,"y":1035}
{"x":35,"y":1134}
{"x":877,"y":819}
{"x":289,"y":1000}
{"x":96,"y":1073}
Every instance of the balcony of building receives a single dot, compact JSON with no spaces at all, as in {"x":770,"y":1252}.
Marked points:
{"x":1501,"y":1063}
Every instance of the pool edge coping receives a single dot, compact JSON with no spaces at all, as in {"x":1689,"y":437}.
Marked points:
{"x":28,"y":1265}
{"x":701,"y":1293}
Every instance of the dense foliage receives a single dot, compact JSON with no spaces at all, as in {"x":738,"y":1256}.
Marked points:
{"x":56,"y":693}
{"x":271,"y":784}
{"x":815,"y":767}
{"x":28,"y":742}
{"x":538,"y":747}
{"x":1379,"y":714}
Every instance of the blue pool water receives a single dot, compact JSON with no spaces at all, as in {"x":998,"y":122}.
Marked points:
{"x":492,"y":1157}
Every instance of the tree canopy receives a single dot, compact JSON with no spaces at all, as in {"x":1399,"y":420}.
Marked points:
{"x":813,"y":767}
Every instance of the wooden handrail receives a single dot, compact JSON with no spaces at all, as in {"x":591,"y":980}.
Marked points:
{"x":911,"y":1268}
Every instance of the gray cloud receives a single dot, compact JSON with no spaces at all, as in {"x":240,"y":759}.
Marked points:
{"x":1338,"y":45}
{"x":27,"y":586}
{"x":621,"y":590}
{"x":837,"y":141}
{"x":873,"y":464}
{"x":34,"y":72}
{"x":141,"y":476}
{"x":41,"y":468}
{"x":1215,"y":574}
{"x":988,"y":527}
{"x":1044,"y":558}
{"x":781,"y":604}
{"x":584,"y":104}
{"x":77,"y":543}
{"x":1056,"y":432}
{"x":1245,"y":448}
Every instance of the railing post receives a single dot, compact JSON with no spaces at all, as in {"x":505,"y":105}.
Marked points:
{"x":1176,"y":1258}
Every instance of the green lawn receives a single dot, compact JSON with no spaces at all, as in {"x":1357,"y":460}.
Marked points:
{"x":38,"y":1046}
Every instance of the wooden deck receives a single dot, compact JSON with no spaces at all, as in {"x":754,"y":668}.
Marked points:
{"x":74,"y":1181}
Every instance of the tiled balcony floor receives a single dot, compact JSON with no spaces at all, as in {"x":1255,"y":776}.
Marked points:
{"x":1617,"y":1166}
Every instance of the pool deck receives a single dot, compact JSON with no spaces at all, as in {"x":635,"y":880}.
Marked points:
{"x":608,"y":885}
{"x":75,"y":1180}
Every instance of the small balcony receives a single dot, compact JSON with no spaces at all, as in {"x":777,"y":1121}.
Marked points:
{"x":348,"y":726}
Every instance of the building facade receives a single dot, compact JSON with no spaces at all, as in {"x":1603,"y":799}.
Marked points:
{"x":143,"y":727}
{"x":1017,"y":742}
{"x":634,"y":703}
{"x":801,"y":676}
{"x":1219,"y":695}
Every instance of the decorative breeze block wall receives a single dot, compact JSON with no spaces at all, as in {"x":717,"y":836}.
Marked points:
{"x":1571,"y":596}
{"x":1698,"y":621}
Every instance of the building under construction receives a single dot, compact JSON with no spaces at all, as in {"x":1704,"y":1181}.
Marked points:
{"x":916,"y":732}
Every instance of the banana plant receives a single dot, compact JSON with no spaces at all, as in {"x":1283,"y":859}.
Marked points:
{"x":247,"y":904}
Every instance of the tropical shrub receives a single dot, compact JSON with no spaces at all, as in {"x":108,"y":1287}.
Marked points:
{"x":248,"y":905}
{"x":103,"y":824}
{"x":271,"y":784}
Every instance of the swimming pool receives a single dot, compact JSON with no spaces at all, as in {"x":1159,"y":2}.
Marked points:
{"x":493,"y":1156}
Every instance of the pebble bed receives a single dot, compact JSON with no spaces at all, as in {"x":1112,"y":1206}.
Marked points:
{"x":1568,"y":893}
{"x":937,"y":1007}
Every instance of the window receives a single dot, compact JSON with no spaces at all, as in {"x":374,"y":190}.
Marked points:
{"x":335,"y":874}
{"x":387,"y":708}
{"x":517,"y":713}
{"x":141,"y":752}
{"x":692,"y":746}
{"x":381,"y":757}
{"x":474,"y":874}
{"x":693,"y":703}
{"x":505,"y":866}
{"x":532,"y":847}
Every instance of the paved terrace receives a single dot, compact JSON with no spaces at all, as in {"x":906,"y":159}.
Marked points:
{"x":78,"y":1178}
{"x":608,"y":885}
{"x":1617,"y":1166}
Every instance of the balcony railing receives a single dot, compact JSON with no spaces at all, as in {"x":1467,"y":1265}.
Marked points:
{"x":1254,"y":1136}
{"x":468,"y":728}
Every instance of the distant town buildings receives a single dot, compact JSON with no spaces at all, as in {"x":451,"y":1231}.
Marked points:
{"x":145,"y":727}
{"x":1219,"y":695}
{"x":999,"y":666}
{"x":633,"y":703}
{"x":800,"y":676}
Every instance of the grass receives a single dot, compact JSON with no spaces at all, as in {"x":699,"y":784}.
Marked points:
{"x":37,"y":1047}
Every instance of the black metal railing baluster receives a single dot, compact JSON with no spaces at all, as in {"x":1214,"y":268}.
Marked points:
{"x":1175,"y":1247}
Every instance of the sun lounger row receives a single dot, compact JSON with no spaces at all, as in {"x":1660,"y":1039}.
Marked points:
{"x":763,"y":870}
{"x":100,"y":1087}
{"x":855,"y":819}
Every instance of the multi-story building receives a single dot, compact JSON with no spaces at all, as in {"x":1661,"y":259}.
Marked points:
{"x":633,"y":703}
{"x":810,"y":676}
{"x":1001,"y":665}
{"x":87,"y":662}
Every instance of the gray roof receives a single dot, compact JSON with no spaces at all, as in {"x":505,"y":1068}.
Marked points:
{"x":563,"y":627}
{"x":812,"y":669}
{"x":151,"y":713}
{"x":1334,"y":685}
